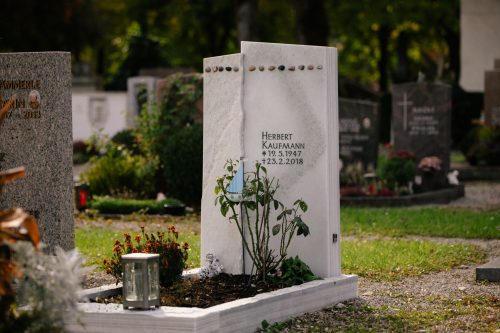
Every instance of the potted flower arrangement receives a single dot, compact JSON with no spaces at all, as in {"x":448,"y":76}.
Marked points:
{"x":431,"y":173}
{"x":397,"y":173}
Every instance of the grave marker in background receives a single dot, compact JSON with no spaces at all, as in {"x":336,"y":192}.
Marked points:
{"x":358,"y":130}
{"x":276,"y":104}
{"x":140,"y":90}
{"x":36,"y":134}
{"x":492,"y":95}
{"x":421,"y":120}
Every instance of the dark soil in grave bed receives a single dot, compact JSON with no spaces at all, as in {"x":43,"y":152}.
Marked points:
{"x":204,"y":293}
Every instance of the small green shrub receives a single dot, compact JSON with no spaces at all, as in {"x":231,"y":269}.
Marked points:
{"x":126,"y":138}
{"x":482,"y":146}
{"x":172,"y":254}
{"x":82,"y":152}
{"x":107,"y":205}
{"x":172,"y":132}
{"x":182,"y":159}
{"x":119,"y":173}
{"x":178,"y":107}
{"x":398,"y":170}
{"x":294,"y":271}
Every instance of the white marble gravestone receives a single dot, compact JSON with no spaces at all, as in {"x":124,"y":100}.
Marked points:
{"x":135,"y":85}
{"x":276,"y":104}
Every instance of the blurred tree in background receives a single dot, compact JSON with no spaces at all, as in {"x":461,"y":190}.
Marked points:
{"x":379,"y":42}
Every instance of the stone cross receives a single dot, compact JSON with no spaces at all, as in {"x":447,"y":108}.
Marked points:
{"x":405,"y":104}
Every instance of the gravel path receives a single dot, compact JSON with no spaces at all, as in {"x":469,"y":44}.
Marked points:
{"x":479,"y":195}
{"x":448,"y":301}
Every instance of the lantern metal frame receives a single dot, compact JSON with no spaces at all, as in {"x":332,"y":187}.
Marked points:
{"x":143,"y":261}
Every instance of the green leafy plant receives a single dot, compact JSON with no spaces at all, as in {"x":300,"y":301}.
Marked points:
{"x":172,"y":254}
{"x":258,"y":201}
{"x":482,"y":146}
{"x":82,"y":152}
{"x":398,"y":170}
{"x":128,"y":139}
{"x":121,"y":174}
{"x":182,"y":156}
{"x":273,"y":328}
{"x":294,"y":271}
{"x":171,"y":132}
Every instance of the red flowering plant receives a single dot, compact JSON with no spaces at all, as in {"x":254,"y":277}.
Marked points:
{"x":398,"y":170}
{"x":173,"y":255}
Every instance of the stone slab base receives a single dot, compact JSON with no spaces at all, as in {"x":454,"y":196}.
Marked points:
{"x":489,"y":271}
{"x":479,"y":173}
{"x":244,"y":315}
{"x":433,"y":197}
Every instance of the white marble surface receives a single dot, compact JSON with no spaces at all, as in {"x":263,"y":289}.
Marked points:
{"x":244,"y":315}
{"x":112,"y":120}
{"x":301,"y":106}
{"x":133,"y":85}
{"x":222,"y":118}
{"x":302,"y":103}
{"x":479,"y":41}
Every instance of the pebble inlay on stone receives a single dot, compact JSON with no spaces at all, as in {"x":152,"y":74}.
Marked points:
{"x":272,"y":68}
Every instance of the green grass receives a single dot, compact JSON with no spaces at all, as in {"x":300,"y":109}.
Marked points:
{"x":96,"y":244}
{"x":437,"y":222}
{"x":456,"y":156}
{"x":389,"y":259}
{"x":375,"y":259}
{"x":470,"y":313}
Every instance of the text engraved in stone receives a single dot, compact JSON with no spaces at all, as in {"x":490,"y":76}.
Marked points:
{"x":423,"y":121}
{"x":280,"y":149}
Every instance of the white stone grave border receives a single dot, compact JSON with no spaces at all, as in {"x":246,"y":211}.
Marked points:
{"x":243,"y":315}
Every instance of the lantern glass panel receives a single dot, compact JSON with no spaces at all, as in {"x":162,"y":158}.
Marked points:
{"x":134,"y":283}
{"x":153,"y":280}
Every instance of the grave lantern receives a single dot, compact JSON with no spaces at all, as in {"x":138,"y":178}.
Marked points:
{"x":141,"y":286}
{"x":82,"y":196}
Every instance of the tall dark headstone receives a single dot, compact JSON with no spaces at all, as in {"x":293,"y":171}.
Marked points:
{"x":37,"y":134}
{"x":421,"y":120}
{"x":358,"y":131}
{"x":492,"y":95}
